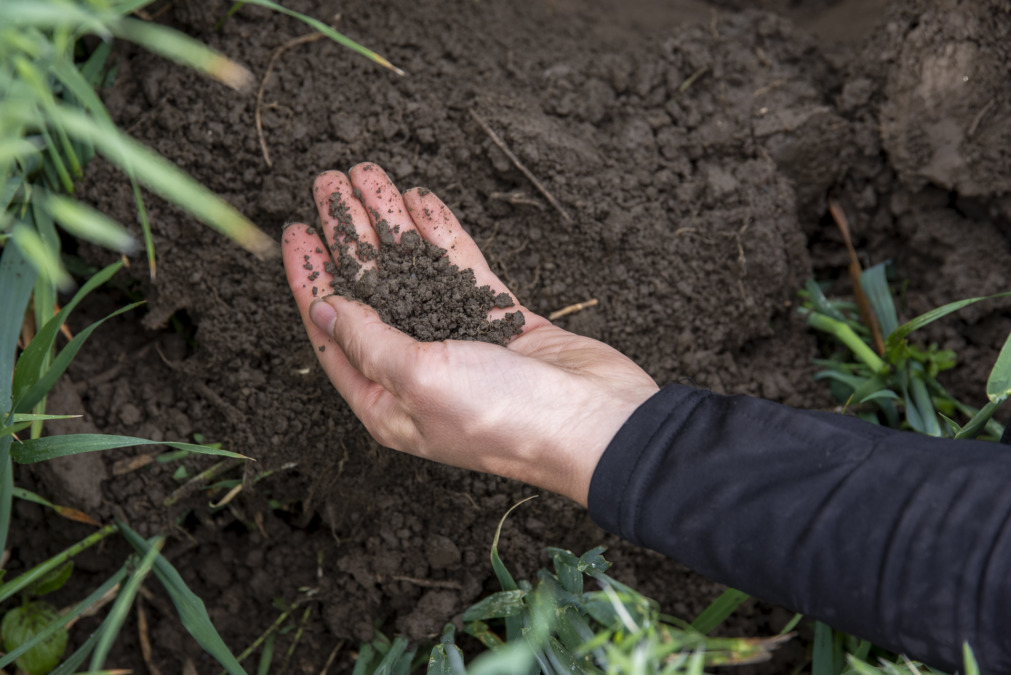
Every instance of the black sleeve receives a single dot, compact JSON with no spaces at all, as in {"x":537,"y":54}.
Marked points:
{"x":898,"y":538}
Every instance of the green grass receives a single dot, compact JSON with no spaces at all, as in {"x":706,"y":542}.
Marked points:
{"x":557,"y":624}
{"x":899,"y":387}
{"x":52,"y":123}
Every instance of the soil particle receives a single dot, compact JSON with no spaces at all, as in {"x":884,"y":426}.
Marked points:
{"x":413,"y":286}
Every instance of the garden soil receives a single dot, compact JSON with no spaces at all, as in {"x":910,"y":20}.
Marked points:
{"x":690,"y":148}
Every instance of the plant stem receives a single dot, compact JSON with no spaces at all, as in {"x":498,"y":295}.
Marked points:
{"x":37,"y":572}
{"x":845,"y":334}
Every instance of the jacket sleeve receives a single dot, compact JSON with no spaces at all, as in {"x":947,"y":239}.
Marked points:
{"x":898,"y":538}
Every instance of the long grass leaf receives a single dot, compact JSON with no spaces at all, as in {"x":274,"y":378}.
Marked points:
{"x":92,"y":69}
{"x":131,"y":6}
{"x":823,"y":655}
{"x":124,"y":601}
{"x":718,"y":610}
{"x":29,"y":367}
{"x":37,"y":391}
{"x":45,"y":260}
{"x":8,"y":189}
{"x":167,"y":180}
{"x":66,"y":618}
{"x":330,"y":33}
{"x":85,"y":222}
{"x":17,"y":148}
{"x":933,"y":315}
{"x":17,"y":277}
{"x":65,"y":511}
{"x":43,"y":15}
{"x":978,"y":422}
{"x":6,"y":489}
{"x":191,"y":608}
{"x":74,"y":661}
{"x":924,"y":406}
{"x":42,"y":449}
{"x":998,"y":385}
{"x":184,"y":50}
{"x":874,"y":283}
{"x":25,"y":579}
{"x":969,"y":659}
{"x":145,"y":228}
{"x":266,"y":656}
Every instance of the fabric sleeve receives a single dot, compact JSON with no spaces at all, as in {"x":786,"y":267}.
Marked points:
{"x":896,"y":537}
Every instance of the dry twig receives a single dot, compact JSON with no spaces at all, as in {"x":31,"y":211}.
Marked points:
{"x":330,"y":659}
{"x":311,"y":37}
{"x":426,"y":583}
{"x":519,"y":165}
{"x":145,"y":640}
{"x":866,"y":313}
{"x":571,"y":309}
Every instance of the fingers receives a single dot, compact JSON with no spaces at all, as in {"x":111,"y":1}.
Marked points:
{"x":377,"y":350}
{"x":438,"y":225}
{"x":341,"y":215}
{"x":374,"y":404}
{"x":382,"y":201}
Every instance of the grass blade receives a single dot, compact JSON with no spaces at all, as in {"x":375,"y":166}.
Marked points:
{"x":330,"y":33}
{"x":29,"y":366}
{"x":168,"y":181}
{"x":191,"y":609}
{"x":37,"y":391}
{"x":823,"y":656}
{"x":266,"y":656}
{"x":971,"y":667}
{"x":923,"y":403}
{"x":74,"y":612}
{"x":65,"y":511}
{"x":998,"y":385}
{"x":145,"y":227}
{"x":17,"y":277}
{"x":874,"y":283}
{"x":124,"y":601}
{"x":34,"y":574}
{"x":979,"y":421}
{"x":42,"y":449}
{"x":933,"y":315}
{"x":184,"y":50}
{"x":6,"y":490}
{"x":90,"y":224}
{"x":718,"y":610}
{"x":45,"y":260}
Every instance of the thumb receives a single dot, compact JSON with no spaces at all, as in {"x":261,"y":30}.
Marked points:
{"x":377,"y":350}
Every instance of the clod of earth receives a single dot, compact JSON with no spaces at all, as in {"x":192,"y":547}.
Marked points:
{"x":413,"y":286}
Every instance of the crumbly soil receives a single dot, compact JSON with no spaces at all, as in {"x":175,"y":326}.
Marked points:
{"x":412,"y":286}
{"x":692,"y":147}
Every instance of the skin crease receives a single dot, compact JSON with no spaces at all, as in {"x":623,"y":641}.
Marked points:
{"x":542,"y":410}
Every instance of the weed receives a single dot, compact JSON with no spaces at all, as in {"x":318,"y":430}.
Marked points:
{"x":556,"y":625}
{"x":897,"y":384}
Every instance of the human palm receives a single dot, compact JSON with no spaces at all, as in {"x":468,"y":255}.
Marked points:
{"x":541,"y":410}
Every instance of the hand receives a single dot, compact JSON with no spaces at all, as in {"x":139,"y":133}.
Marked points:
{"x":541,"y":410}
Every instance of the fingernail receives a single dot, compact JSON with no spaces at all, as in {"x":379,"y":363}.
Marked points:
{"x":323,"y":315}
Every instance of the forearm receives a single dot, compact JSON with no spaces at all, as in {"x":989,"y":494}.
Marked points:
{"x":898,"y":538}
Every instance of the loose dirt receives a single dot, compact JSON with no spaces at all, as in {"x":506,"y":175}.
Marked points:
{"x":413,"y":286}
{"x":693,"y":146}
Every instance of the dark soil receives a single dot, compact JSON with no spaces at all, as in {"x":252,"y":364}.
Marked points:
{"x":413,"y":286}
{"x":694,"y":148}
